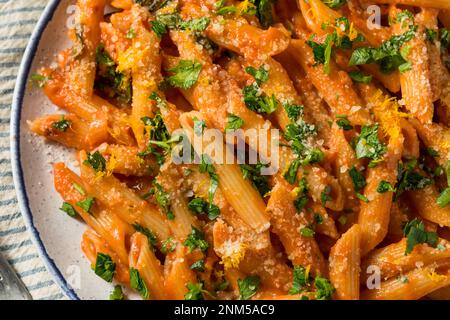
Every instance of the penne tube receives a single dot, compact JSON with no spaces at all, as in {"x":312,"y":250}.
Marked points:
{"x":123,"y":201}
{"x":177,"y":273}
{"x":392,"y":261}
{"x":440,"y":4}
{"x":345,"y":259}
{"x":287,"y":224}
{"x":150,"y":270}
{"x":419,"y":283}
{"x":70,"y":130}
{"x":87,"y":37}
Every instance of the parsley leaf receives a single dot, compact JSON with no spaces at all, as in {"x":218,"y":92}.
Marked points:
{"x":324,"y":288}
{"x":325,"y":195}
{"x":387,"y":55}
{"x":307,"y":232}
{"x":253,"y":173}
{"x":168,"y":245}
{"x":40,"y":80}
{"x":248,"y":287}
{"x":444,"y":198}
{"x":415,"y":233}
{"x":335,"y":4}
{"x":137,"y":283}
{"x":198,"y":265}
{"x":359,"y":181}
{"x":409,"y":180}
{"x":185,"y":74}
{"x":199,"y":206}
{"x":67,"y":208}
{"x":385,"y":186}
{"x":163,"y":200}
{"x":152,"y":241}
{"x":61,"y":125}
{"x":257,"y":101}
{"x":95,"y":161}
{"x":343,"y":123}
{"x":368,"y":145}
{"x":301,"y":280}
{"x":445,"y":37}
{"x":195,"y":291}
{"x":234,"y":122}
{"x":196,"y":239}
{"x":199,"y":125}
{"x":360,"y":77}
{"x":160,"y":103}
{"x":86,"y":204}
{"x":293,"y":111}
{"x":261,"y":75}
{"x":302,"y":194}
{"x":117,"y":293}
{"x":104,"y":267}
{"x":206,"y":166}
{"x":108,"y":80}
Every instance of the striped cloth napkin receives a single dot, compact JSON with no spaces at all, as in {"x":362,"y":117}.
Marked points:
{"x":17,"y":21}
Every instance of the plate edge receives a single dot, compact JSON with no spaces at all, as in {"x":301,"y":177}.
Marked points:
{"x":19,"y":92}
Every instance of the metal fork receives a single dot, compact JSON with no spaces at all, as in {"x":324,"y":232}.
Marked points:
{"x":11,"y":287}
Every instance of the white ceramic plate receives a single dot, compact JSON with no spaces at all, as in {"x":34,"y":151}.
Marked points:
{"x":55,"y":234}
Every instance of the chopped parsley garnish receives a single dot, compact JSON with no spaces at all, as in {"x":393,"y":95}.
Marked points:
{"x":96,"y":161}
{"x":431,"y":34}
{"x":195,"y":291}
{"x":79,"y":189}
{"x":173,"y":21}
{"x":444,"y":198}
{"x":368,"y":145}
{"x":199,"y":125}
{"x":253,"y":173}
{"x":199,"y":206}
{"x":248,"y":287}
{"x":360,"y":77}
{"x":343,"y":122}
{"x":109,"y":81}
{"x":160,"y":103}
{"x":334,"y":4}
{"x":131,"y":34}
{"x":68,"y":208}
{"x":61,"y":125}
{"x":152,"y":241}
{"x":385,"y":186}
{"x":261,"y":75}
{"x":257,"y":101}
{"x":198,"y":265}
{"x":206,"y":166}
{"x":293,"y":111}
{"x":444,"y":37}
{"x":185,"y":74}
{"x":104,"y":267}
{"x":415,"y":233}
{"x":302,"y":195}
{"x":388,"y":55}
{"x":301,"y":280}
{"x":409,"y":180}
{"x":86,"y":204}
{"x":325,"y":195}
{"x":168,"y":245}
{"x":324,"y":288}
{"x":362,"y":197}
{"x":359,"y":181}
{"x":163,"y":200}
{"x":196,"y":239}
{"x":234,"y":122}
{"x":137,"y":283}
{"x":40,"y":80}
{"x":117,"y":293}
{"x":318,"y":218}
{"x":324,"y":51}
{"x":307,"y":232}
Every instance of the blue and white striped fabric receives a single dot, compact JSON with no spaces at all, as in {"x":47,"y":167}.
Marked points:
{"x":17,"y":21}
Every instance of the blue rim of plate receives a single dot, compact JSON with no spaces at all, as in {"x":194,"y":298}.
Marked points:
{"x":19,"y":92}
